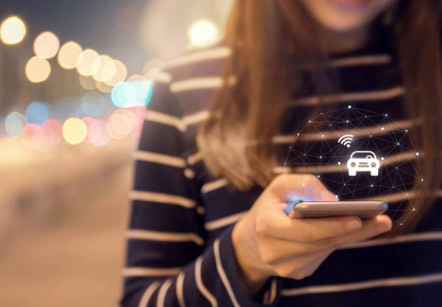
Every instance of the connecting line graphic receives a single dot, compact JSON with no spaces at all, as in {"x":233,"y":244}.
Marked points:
{"x":324,"y":145}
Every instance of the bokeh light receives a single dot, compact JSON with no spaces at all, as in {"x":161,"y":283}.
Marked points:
{"x":120,"y":124}
{"x":103,"y":87}
{"x":37,"y":113}
{"x":139,"y":115}
{"x":68,"y":55}
{"x":87,"y":109}
{"x":88,"y":83}
{"x":98,"y":100}
{"x":74,"y":131}
{"x":14,"y":124}
{"x":52,"y":132}
{"x":65,"y":108}
{"x":88,"y":121}
{"x":131,"y":94}
{"x":46,"y":45}
{"x":37,"y":69}
{"x":107,"y":68}
{"x":88,"y":62}
{"x":12,"y":30}
{"x":136,"y":77}
{"x":98,"y":134}
{"x":120,"y":73}
{"x":34,"y":135}
{"x":203,"y":33}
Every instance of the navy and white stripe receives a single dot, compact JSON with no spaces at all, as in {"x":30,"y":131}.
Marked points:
{"x":179,"y":238}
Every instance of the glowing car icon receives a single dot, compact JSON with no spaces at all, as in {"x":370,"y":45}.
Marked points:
{"x":363,"y":161}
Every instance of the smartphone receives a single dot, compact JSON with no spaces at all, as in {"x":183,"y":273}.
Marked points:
{"x":362,"y":209}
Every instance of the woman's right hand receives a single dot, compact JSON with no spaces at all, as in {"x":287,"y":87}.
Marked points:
{"x":267,"y":242}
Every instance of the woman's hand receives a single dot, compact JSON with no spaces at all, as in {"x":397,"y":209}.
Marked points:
{"x":267,"y":242}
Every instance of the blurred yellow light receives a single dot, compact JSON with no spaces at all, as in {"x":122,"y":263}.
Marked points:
{"x":107,"y":69}
{"x":74,"y":131}
{"x":12,"y":30}
{"x":37,"y":69}
{"x":120,"y":73}
{"x":88,"y":62}
{"x":46,"y":45}
{"x":203,"y":33}
{"x":69,"y":52}
{"x":88,"y":83}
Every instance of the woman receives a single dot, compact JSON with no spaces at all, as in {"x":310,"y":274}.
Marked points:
{"x":208,"y":226}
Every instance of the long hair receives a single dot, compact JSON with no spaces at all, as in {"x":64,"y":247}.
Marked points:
{"x":236,"y":140}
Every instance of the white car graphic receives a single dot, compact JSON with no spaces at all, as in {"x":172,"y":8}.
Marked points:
{"x":363,"y":161}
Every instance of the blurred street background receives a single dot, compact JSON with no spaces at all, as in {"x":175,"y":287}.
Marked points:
{"x":75,"y":77}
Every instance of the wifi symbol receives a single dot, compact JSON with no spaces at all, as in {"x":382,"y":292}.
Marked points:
{"x":346,"y":140}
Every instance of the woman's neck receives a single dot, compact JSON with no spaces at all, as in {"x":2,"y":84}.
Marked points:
{"x":341,"y":42}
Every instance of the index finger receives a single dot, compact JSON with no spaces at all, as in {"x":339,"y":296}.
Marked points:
{"x":307,"y":187}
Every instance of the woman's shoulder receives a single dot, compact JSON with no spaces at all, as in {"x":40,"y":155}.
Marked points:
{"x":197,"y":63}
{"x":193,"y":76}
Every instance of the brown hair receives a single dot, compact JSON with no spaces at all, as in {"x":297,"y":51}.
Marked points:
{"x":236,"y":139}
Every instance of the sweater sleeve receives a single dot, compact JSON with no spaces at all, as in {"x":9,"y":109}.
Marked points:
{"x":169,"y":262}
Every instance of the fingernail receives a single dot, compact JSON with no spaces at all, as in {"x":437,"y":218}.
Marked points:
{"x":353,"y":225}
{"x":384,"y":227}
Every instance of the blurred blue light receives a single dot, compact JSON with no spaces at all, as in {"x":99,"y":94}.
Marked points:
{"x":87,"y":110}
{"x":14,"y":124}
{"x":65,"y":108}
{"x":101,"y":103}
{"x":37,"y":113}
{"x":123,"y":94}
{"x":131,"y":94}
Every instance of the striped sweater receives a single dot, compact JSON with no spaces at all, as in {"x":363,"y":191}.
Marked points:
{"x":179,"y":249}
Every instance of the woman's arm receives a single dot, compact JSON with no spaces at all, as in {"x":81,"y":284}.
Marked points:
{"x":168,"y":261}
